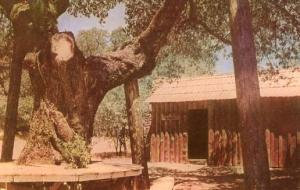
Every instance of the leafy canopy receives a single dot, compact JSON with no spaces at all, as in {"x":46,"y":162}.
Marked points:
{"x":276,"y":24}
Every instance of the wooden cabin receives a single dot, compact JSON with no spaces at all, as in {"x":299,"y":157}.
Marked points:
{"x":196,"y":119}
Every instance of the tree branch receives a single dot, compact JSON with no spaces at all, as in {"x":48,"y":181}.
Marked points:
{"x":137,"y":58}
{"x":134,"y":60}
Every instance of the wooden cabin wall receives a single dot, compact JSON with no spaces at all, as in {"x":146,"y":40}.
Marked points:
{"x":281,"y":116}
{"x":282,"y":121}
{"x":225,"y":149}
{"x":169,"y":138}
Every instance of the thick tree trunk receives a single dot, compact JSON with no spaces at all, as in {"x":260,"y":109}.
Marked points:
{"x":74,"y":85}
{"x":13,"y":99}
{"x":255,"y":159}
{"x":136,"y":131}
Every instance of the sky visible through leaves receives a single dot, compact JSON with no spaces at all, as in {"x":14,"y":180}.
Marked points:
{"x":115,"y":19}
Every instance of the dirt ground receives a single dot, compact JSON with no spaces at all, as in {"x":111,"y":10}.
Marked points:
{"x":188,"y":176}
{"x":200,"y":177}
{"x":195,"y":177}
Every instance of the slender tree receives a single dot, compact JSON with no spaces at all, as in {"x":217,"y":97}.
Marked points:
{"x":12,"y":102}
{"x":136,"y":132}
{"x":254,"y":150}
{"x":21,"y":46}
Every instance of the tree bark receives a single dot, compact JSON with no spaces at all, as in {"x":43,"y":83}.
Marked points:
{"x":13,"y":100}
{"x":136,"y":131}
{"x":255,"y":159}
{"x":76,"y":85}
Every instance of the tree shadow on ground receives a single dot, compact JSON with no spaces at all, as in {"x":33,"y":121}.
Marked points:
{"x":220,"y":178}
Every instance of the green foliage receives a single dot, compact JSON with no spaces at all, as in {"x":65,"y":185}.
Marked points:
{"x":93,"y":41}
{"x":25,"y":105}
{"x":43,"y":138}
{"x":118,"y":37}
{"x":24,"y":116}
{"x":276,"y":24}
{"x":6,"y":38}
{"x":25,"y":113}
{"x":89,"y":8}
{"x":276,"y":27}
{"x":76,"y":152}
{"x":111,"y":119}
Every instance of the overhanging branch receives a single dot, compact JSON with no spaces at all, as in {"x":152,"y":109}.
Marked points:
{"x":137,"y":58}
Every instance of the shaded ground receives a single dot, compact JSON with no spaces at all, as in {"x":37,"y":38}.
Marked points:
{"x":199,"y":177}
{"x":195,"y":177}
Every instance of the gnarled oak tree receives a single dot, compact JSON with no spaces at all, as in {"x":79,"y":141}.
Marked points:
{"x":70,"y":83}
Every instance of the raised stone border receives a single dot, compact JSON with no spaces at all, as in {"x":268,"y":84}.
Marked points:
{"x":96,"y":172}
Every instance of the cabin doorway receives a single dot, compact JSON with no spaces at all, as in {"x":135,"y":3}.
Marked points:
{"x":198,"y":134}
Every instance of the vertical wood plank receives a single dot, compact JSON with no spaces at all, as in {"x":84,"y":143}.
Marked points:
{"x":162,"y":147}
{"x":240,"y":153}
{"x":268,"y":145}
{"x":185,"y":107}
{"x":217,"y":134}
{"x":235,"y":148}
{"x":292,"y":143}
{"x":176,"y":121}
{"x":157,"y":158}
{"x":185,"y":148}
{"x":158,"y":118}
{"x":272,"y":149}
{"x":282,"y":151}
{"x":172,"y":148}
{"x":153,"y":148}
{"x":175,"y":111}
{"x":180,"y":150}
{"x":210,"y":133}
{"x":276,"y":151}
{"x":298,"y":148}
{"x":224,"y":147}
{"x":235,"y":141}
{"x":153,"y":118}
{"x":229,"y":132}
{"x":181,"y":115}
{"x":179,"y":130}
{"x":176,"y":148}
{"x":167,"y":147}
{"x":158,"y":131}
{"x":223,"y":134}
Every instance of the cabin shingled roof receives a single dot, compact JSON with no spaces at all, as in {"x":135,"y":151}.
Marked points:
{"x":286,"y":83}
